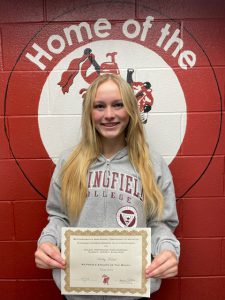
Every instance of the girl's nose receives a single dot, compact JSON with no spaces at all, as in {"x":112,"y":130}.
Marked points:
{"x":109,"y":113}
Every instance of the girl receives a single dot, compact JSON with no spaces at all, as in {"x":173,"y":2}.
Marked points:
{"x":110,"y":180}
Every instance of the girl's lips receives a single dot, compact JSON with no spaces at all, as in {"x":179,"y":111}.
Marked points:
{"x":110,"y":124}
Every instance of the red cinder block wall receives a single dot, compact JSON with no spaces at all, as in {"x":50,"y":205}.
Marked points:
{"x":198,"y":166}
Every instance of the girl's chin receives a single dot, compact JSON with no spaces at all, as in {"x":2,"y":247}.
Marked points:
{"x":112,"y":135}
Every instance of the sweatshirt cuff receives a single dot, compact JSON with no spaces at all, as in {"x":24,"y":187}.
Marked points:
{"x":47,"y":239}
{"x":170,"y":247}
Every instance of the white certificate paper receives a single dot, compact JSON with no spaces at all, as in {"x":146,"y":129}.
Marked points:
{"x":106,"y":261}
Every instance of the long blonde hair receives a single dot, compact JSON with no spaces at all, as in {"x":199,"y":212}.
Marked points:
{"x":75,"y":170}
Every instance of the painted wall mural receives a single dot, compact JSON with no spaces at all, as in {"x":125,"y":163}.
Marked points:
{"x":172,"y":56}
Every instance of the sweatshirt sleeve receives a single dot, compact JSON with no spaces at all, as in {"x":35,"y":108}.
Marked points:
{"x":162,"y":231}
{"x":56,"y":216}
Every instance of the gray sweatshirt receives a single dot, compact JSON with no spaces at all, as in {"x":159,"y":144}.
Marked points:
{"x":115,"y":200}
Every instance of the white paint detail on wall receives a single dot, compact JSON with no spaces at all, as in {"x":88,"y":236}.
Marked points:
{"x":65,"y":130}
{"x":164,"y":142}
{"x":59,"y":129}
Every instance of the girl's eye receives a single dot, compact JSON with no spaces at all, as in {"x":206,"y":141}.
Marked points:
{"x":99,"y":106}
{"x":118,"y":104}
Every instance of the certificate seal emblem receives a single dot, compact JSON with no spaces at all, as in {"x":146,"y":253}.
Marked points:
{"x":105,"y":279}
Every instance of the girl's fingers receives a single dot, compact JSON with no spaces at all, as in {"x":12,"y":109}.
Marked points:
{"x":164,"y":265}
{"x":48,"y":256}
{"x":168,"y":273}
{"x":53,"y":252}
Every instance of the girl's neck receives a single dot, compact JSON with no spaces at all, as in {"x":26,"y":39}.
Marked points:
{"x":110,"y":148}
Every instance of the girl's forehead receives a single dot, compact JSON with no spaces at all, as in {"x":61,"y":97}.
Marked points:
{"x":108,"y":90}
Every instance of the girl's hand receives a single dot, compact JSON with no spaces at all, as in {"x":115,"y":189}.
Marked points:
{"x":47,"y":256}
{"x":164,"y":265}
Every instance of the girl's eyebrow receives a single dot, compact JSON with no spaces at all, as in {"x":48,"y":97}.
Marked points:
{"x":99,"y":101}
{"x":115,"y":100}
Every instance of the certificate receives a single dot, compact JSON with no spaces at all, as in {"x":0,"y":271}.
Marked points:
{"x":106,"y":261}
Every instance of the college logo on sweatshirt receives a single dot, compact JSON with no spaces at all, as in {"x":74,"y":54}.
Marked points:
{"x":159,"y":61}
{"x":127,"y":216}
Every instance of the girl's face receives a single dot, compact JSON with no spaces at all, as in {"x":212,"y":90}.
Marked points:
{"x":108,"y":114}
